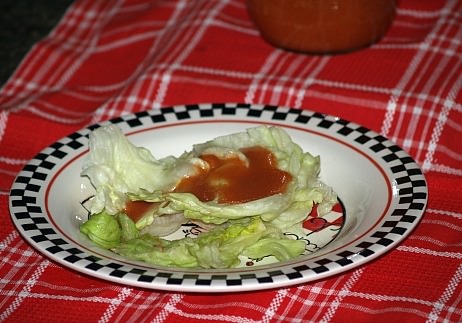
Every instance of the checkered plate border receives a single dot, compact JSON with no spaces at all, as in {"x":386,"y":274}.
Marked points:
{"x":29,"y":214}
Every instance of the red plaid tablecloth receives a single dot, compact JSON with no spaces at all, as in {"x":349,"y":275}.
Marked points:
{"x":110,"y":57}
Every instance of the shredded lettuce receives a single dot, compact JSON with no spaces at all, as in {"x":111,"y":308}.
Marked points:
{"x":116,"y":167}
{"x":120,"y":172}
{"x":218,"y":248}
{"x":103,"y":229}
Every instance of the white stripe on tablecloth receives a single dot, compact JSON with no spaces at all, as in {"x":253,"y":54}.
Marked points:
{"x":448,"y":292}
{"x":184,"y":52}
{"x":442,"y":63}
{"x":212,"y":317}
{"x":111,"y":108}
{"x":11,"y":245}
{"x":126,"y":41}
{"x":441,"y":121}
{"x":371,"y":103}
{"x":9,"y":238}
{"x":298,"y":85}
{"x":425,"y":251}
{"x":274,"y":305}
{"x":25,"y":290}
{"x":445,"y":212}
{"x":3,"y":122}
{"x":386,"y":310}
{"x":309,"y":303}
{"x":11,"y":173}
{"x":141,"y":306}
{"x":235,"y":27}
{"x":389,"y":298}
{"x":435,"y":167}
{"x":144,"y":68}
{"x":420,"y":66}
{"x":276,"y":73}
{"x":318,"y":298}
{"x":115,"y":302}
{"x":169,"y":308}
{"x":274,"y":91}
{"x":449,"y":152}
{"x":447,"y":224}
{"x":271,"y":80}
{"x":419,"y":13}
{"x":452,"y":308}
{"x":341,"y":295}
{"x":177,"y":53}
{"x":310,"y":80}
{"x":402,"y":84}
{"x":51,"y":116}
{"x":66,"y":298}
{"x":101,"y":21}
{"x":436,"y":242}
{"x":264,"y":70}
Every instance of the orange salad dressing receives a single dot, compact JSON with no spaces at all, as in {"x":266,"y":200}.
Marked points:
{"x":228,"y":181}
{"x":135,"y":210}
{"x":231,"y":181}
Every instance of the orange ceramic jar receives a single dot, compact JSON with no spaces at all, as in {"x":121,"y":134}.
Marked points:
{"x":322,"y":26}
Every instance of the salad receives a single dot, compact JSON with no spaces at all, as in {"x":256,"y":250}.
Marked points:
{"x":246,"y":190}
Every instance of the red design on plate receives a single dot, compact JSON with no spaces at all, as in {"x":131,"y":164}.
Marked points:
{"x":315,"y":223}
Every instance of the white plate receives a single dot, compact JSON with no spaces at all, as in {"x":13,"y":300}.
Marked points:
{"x":383,"y":193}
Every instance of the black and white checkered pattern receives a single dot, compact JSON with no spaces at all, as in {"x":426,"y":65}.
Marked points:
{"x":32,"y":221}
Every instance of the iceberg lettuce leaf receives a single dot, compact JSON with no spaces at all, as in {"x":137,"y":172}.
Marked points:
{"x":116,"y":167}
{"x":217,"y":248}
{"x":103,"y":229}
{"x":121,"y":171}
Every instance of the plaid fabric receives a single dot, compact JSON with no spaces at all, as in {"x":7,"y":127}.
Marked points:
{"x":110,"y":57}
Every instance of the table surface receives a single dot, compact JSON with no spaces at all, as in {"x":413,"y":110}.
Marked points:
{"x":107,"y":58}
{"x":19,"y":30}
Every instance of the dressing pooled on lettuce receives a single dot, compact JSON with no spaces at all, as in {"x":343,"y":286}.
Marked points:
{"x":247,"y":189}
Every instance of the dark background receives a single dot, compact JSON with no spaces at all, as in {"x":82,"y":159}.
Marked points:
{"x":22,"y":24}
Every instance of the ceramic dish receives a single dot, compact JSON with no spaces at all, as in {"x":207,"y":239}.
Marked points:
{"x":383,"y":195}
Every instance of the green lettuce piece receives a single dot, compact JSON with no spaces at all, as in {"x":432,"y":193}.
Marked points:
{"x":128,"y":227}
{"x":103,"y":229}
{"x":213,"y":212}
{"x":217,"y":248}
{"x":108,"y":231}
{"x":154,"y":250}
{"x":282,"y":249}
